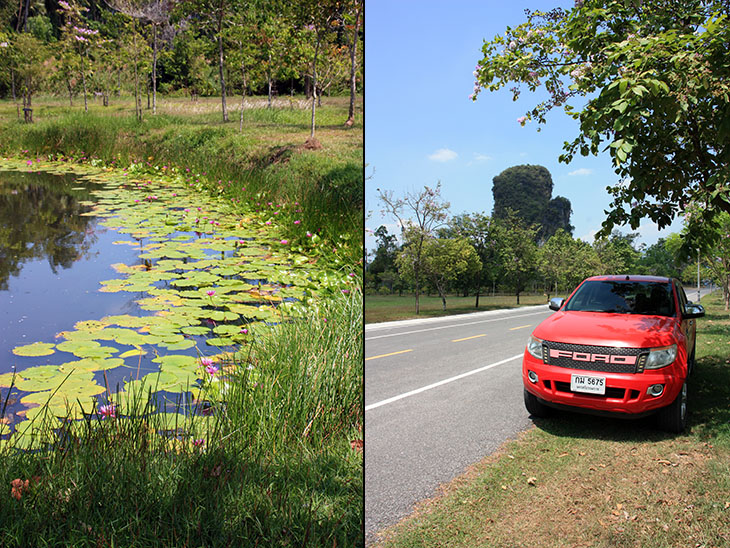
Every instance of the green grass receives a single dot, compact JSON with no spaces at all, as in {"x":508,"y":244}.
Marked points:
{"x":267,"y":157}
{"x":276,"y":469}
{"x":578,"y":480}
{"x":386,"y":308}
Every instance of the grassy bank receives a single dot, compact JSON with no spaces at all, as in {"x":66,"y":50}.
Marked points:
{"x":577,"y":480}
{"x":386,"y":308}
{"x":266,"y":161}
{"x":279,"y":465}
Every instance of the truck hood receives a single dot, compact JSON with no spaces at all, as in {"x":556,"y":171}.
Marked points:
{"x":604,"y":329}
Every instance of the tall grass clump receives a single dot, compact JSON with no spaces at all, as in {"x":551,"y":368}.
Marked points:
{"x":270,"y":464}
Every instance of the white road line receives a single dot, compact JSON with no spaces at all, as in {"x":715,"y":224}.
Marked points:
{"x":501,"y":319}
{"x":440,"y":383}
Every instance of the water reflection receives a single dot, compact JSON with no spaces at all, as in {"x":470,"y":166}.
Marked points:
{"x":40,"y":218}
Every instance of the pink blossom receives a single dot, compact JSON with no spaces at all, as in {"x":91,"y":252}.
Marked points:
{"x":108,"y":410}
{"x":212,"y":369}
{"x":297,"y":222}
{"x":210,"y":292}
{"x":284,"y":242}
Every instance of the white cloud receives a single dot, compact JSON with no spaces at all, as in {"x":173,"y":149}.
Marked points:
{"x":481,"y":157}
{"x":590,"y":237}
{"x":582,"y":172}
{"x":443,"y":155}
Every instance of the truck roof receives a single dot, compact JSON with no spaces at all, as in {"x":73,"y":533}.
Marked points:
{"x":631,"y":277}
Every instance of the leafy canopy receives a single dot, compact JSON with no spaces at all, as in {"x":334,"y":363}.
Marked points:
{"x":647,"y":80}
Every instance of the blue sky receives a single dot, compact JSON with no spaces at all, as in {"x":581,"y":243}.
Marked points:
{"x":421,"y":127}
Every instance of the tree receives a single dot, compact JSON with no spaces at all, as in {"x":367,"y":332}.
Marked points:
{"x":78,"y":39}
{"x":712,"y":242}
{"x":651,"y":81}
{"x":385,"y":253}
{"x":211,"y":16}
{"x":518,"y":252}
{"x":566,"y":262}
{"x":317,"y":17}
{"x":526,"y":190}
{"x":445,"y":260}
{"x":356,"y":8}
{"x":617,"y":254}
{"x":30,"y":55}
{"x":658,"y":260}
{"x":418,"y":214}
{"x":483,"y":234}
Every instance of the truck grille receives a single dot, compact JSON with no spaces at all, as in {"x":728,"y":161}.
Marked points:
{"x":594,"y":358}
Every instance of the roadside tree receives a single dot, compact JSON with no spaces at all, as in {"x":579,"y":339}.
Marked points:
{"x":518,"y":252}
{"x":447,"y":259}
{"x":418,"y":214}
{"x":648,"y":81}
{"x":482,"y":232}
{"x":565,"y":262}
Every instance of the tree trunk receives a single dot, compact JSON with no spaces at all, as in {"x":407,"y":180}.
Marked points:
{"x":476,"y":305}
{"x":268,"y":79}
{"x":154,"y":68}
{"x":12,"y":85}
{"x":70,"y":92}
{"x":221,"y":71}
{"x":137,"y":100}
{"x":83,"y":81}
{"x":353,"y":79}
{"x":314,"y":88}
{"x":243,"y":93}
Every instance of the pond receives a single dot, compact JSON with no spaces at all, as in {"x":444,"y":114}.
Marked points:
{"x":115,"y":283}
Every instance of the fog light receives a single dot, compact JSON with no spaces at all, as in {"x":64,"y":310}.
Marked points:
{"x":532,"y":376}
{"x":655,"y":390}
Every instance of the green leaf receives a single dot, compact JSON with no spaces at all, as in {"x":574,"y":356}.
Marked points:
{"x":34,"y":350}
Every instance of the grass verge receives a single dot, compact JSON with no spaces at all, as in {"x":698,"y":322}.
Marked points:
{"x":276,"y":468}
{"x":387,"y":308}
{"x":579,"y":481}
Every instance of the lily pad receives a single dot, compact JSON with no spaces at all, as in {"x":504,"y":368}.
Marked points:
{"x":34,"y":350}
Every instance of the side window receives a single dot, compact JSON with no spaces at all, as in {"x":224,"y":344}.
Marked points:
{"x":682,"y":297}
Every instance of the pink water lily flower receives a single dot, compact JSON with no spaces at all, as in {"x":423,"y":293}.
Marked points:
{"x":210,"y":292}
{"x":108,"y":410}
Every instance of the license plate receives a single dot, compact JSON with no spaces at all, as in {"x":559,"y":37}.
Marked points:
{"x":588,"y":384}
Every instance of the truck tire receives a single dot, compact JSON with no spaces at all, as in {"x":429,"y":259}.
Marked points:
{"x":534,"y":406}
{"x":673,"y":417}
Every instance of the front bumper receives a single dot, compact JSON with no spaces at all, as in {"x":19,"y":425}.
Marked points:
{"x":626,"y":393}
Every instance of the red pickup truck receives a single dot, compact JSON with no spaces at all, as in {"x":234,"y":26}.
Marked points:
{"x":619,"y":345}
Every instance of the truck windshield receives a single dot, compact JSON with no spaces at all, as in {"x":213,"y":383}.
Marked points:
{"x":624,"y":297}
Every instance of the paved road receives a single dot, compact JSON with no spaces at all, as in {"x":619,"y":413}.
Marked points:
{"x":440,"y":395}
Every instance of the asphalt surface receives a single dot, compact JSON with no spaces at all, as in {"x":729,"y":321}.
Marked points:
{"x":440,"y":395}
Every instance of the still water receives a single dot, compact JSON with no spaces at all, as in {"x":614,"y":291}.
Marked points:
{"x":51,"y":261}
{"x":119,"y":283}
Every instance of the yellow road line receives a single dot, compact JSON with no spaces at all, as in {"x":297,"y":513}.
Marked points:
{"x":386,"y":355}
{"x":467,"y":338}
{"x":520,"y":327}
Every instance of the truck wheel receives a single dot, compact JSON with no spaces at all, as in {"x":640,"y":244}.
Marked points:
{"x":673,"y":417}
{"x":534,"y":406}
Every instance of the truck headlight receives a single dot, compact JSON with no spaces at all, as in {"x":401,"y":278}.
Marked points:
{"x":661,"y":357}
{"x":534,"y":347}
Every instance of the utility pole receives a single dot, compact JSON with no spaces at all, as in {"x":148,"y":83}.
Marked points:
{"x":698,"y":274}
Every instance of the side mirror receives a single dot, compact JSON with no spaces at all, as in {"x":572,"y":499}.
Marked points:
{"x":556,"y":303}
{"x":693,"y":311}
